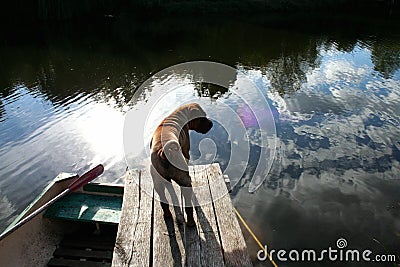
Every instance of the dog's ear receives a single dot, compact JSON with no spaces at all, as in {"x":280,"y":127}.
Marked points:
{"x":201,"y":125}
{"x":198,"y":119}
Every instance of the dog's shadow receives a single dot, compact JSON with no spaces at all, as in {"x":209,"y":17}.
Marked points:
{"x":189,"y":236}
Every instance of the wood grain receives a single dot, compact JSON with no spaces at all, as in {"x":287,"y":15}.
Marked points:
{"x":146,"y":238}
{"x":168,"y":248}
{"x":210,"y":253}
{"x":233,"y":245}
{"x":123,"y":249}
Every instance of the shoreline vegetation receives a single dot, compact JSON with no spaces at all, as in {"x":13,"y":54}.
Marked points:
{"x":60,"y":10}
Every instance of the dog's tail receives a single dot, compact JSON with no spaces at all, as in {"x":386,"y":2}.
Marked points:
{"x":173,"y":152}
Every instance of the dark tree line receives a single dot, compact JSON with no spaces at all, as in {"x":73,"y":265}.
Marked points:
{"x":59,"y":10}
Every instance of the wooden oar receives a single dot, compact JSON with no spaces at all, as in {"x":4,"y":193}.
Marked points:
{"x":81,"y":181}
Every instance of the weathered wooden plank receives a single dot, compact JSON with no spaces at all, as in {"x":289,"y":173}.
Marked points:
{"x":123,"y":249}
{"x":133,"y":244}
{"x":104,"y":188}
{"x":216,"y":240}
{"x":210,"y":248}
{"x":233,"y":245}
{"x":191,"y":235}
{"x":87,"y":208}
{"x":168,"y":249}
{"x":142,"y":238}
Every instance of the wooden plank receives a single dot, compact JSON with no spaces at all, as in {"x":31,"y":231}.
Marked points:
{"x":83,"y":254}
{"x":87,"y":208}
{"x":141,"y":250}
{"x":191,"y":235}
{"x":210,"y":254}
{"x":55,"y":262}
{"x":133,"y":245}
{"x":126,"y":229}
{"x":146,"y":240}
{"x":233,"y":245}
{"x":210,"y":247}
{"x":168,"y":249}
{"x":104,"y":188}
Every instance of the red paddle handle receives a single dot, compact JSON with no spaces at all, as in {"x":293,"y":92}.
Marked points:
{"x":87,"y":177}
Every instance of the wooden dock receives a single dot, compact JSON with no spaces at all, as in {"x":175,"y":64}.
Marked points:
{"x":145,"y":238}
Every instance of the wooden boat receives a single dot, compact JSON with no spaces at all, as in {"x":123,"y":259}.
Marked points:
{"x":78,"y":230}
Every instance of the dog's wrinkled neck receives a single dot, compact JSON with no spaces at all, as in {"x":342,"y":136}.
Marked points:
{"x":177,"y":119}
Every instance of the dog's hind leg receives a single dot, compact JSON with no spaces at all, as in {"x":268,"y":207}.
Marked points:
{"x":159,"y":186}
{"x":182,"y":178}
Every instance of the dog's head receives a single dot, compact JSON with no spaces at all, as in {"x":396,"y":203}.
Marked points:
{"x":198,"y":119}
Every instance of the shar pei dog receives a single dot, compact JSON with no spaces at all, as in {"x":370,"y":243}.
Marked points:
{"x":170,"y":147}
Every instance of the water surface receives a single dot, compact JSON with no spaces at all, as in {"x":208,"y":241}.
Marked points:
{"x":334,"y":94}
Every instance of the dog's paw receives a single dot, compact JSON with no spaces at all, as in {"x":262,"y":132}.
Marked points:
{"x":190,"y":222}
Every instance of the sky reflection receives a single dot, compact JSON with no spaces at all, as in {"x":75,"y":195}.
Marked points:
{"x":335,"y":100}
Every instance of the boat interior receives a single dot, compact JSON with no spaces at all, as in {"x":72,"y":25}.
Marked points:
{"x":90,"y":219}
{"x":88,"y":245}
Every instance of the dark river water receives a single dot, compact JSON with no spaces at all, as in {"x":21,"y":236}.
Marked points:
{"x":333,"y":92}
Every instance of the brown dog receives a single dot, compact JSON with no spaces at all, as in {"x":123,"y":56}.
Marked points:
{"x":170,"y":147}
